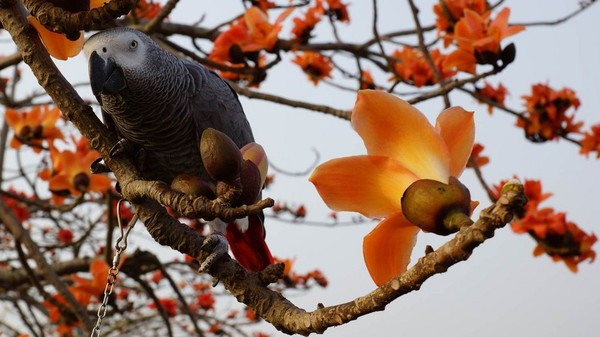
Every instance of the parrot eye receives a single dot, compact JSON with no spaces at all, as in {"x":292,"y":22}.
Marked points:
{"x":133,"y":44}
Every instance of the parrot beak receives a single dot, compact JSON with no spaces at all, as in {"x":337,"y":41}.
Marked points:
{"x":105,"y":76}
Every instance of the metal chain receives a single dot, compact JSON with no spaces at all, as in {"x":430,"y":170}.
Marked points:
{"x":111,"y":279}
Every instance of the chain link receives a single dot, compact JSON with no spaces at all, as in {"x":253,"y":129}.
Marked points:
{"x":111,"y":279}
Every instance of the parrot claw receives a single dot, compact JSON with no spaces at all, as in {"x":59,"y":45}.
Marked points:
{"x":122,"y":146}
{"x":98,"y":166}
{"x":214,"y":247}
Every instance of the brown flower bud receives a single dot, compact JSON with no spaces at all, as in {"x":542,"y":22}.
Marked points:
{"x":192,"y":185}
{"x":251,"y":183}
{"x":221,"y":157}
{"x":426,"y":203}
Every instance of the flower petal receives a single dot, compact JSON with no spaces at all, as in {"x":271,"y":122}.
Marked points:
{"x":370,"y":185}
{"x":457,"y":128}
{"x":387,"y":248}
{"x":57,"y":44}
{"x":391,"y":127}
{"x":99,"y":183}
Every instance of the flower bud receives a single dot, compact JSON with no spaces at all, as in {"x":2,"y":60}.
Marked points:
{"x":426,"y":203}
{"x":251,"y":183}
{"x":192,"y":185}
{"x":256,"y":154}
{"x":221,"y":157}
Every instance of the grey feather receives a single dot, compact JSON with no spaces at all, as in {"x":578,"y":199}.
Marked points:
{"x":166,"y":104}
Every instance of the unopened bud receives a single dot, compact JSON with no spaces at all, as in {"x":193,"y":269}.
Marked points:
{"x":251,"y":183}
{"x":192,"y":185}
{"x":426,"y":203}
{"x":256,"y":154}
{"x":221,"y":157}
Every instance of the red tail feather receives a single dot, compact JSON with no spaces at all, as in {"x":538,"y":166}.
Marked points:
{"x":249,"y":248}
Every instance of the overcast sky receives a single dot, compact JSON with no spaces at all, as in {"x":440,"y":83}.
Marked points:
{"x":502,"y":290}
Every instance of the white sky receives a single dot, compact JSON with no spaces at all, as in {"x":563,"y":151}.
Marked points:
{"x":502,"y":290}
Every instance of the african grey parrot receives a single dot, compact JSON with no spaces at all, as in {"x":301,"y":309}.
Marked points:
{"x":161,"y":104}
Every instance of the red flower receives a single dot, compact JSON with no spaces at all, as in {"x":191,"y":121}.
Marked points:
{"x":147,"y":10}
{"x":548,"y":113}
{"x":249,"y":34}
{"x":477,"y":157}
{"x":251,"y":314}
{"x":591,"y":141}
{"x":561,"y":239}
{"x":303,"y":27}
{"x":315,"y":65}
{"x":18,"y":208}
{"x":496,"y":95}
{"x":206,"y":300}
{"x":478,"y":39}
{"x":448,"y":12}
{"x":65,"y":236}
{"x":338,"y":10}
{"x":366,"y":80}
{"x":157,"y":276}
{"x":169,"y":305}
{"x":412,"y":67}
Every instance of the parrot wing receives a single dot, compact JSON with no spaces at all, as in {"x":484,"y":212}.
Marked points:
{"x":214,"y":104}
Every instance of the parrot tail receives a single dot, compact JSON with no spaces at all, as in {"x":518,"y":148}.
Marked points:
{"x":249,"y":248}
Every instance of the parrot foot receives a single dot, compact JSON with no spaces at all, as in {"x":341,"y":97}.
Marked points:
{"x":216,"y":246}
{"x":122,"y":146}
{"x":98,"y":166}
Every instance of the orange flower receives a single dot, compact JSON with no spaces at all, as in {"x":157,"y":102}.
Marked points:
{"x":496,"y":95}
{"x":264,"y":5}
{"x":83,"y":290}
{"x":338,"y":10}
{"x":74,"y":178}
{"x":478,"y":39}
{"x":251,"y":79}
{"x":94,"y":287}
{"x":366,"y":80}
{"x":591,"y":141}
{"x":249,"y":34}
{"x":412,"y":67}
{"x":448,"y":12}
{"x":34,"y":127}
{"x":546,"y":114}
{"x":57,"y":45}
{"x":561,"y":239}
{"x":315,"y":65}
{"x":477,"y":157}
{"x":402,"y":148}
{"x":304,"y":26}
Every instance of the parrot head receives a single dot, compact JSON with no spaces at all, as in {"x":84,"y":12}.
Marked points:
{"x":112,"y":55}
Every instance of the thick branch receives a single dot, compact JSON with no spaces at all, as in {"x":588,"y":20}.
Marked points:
{"x":65,"y":22}
{"x":271,"y":306}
